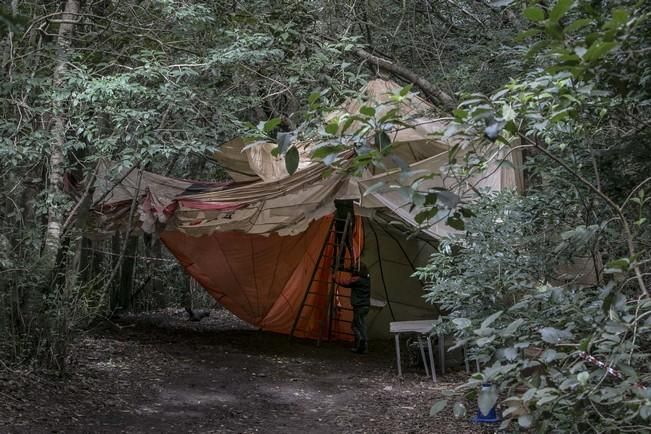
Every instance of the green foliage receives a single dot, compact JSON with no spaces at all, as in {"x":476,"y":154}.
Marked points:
{"x":158,"y":84}
{"x":568,"y":354}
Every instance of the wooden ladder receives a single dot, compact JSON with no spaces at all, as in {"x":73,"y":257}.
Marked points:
{"x":336,"y":239}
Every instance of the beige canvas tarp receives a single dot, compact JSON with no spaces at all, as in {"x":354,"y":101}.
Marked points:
{"x":391,"y":190}
{"x":254,"y":243}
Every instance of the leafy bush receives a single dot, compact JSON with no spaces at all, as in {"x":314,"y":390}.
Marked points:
{"x":567,"y":354}
{"x":542,"y":344}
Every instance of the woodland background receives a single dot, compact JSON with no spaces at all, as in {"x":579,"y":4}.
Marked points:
{"x":159,"y":84}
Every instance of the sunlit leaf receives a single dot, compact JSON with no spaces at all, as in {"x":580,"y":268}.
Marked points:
{"x":367,"y":111}
{"x":438,"y":407}
{"x":559,"y":9}
{"x":534,"y":13}
{"x":271,"y":124}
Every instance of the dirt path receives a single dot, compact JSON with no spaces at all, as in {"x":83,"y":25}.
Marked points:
{"x":162,"y":373}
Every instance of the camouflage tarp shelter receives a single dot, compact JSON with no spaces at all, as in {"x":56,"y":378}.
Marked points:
{"x":255,"y":243}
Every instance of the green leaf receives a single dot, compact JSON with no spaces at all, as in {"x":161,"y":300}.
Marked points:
{"x":460,"y":114}
{"x":367,"y":111}
{"x":382,"y":139}
{"x":559,"y":9}
{"x":485,"y":340}
{"x":271,"y":124}
{"x":578,"y":24}
{"x":522,"y":36}
{"x":598,"y":49}
{"x":425,"y":215}
{"x":466,"y":212}
{"x":617,"y":266}
{"x":491,"y":319}
{"x":545,"y":400}
{"x":554,"y":336}
{"x":534,"y":13}
{"x":554,"y":30}
{"x":508,"y":113}
{"x":406,"y":89}
{"x":549,"y":355}
{"x":332,"y":128}
{"x":459,"y":410}
{"x":347,"y":124}
{"x":462,"y":323}
{"x":291,"y":160}
{"x":391,"y":114}
{"x":313,"y":97}
{"x":456,"y":222}
{"x":537,"y":48}
{"x":512,"y":328}
{"x":620,"y":16}
{"x":323,"y":151}
{"x":583,"y":378}
{"x":510,"y":353}
{"x":437,"y":407}
{"x":561,"y":115}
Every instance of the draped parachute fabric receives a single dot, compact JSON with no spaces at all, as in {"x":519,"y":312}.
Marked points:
{"x":263,"y":279}
{"x":254,"y":242}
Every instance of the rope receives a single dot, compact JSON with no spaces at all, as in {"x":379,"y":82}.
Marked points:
{"x":104,"y":252}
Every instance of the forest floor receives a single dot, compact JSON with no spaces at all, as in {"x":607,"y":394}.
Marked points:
{"x":162,"y":373}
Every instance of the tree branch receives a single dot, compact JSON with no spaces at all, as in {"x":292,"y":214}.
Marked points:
{"x":432,"y":92}
{"x":609,"y":201}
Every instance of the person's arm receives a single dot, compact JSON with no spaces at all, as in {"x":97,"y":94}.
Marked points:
{"x":347,"y":283}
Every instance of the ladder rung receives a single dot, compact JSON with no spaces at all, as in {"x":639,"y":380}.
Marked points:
{"x":342,"y":240}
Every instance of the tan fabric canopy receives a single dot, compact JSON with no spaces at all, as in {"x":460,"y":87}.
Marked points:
{"x":254,"y":243}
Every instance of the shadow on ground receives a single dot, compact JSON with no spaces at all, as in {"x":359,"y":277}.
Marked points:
{"x":162,"y":373}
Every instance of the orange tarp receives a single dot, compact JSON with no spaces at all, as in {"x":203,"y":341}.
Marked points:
{"x":263,"y":279}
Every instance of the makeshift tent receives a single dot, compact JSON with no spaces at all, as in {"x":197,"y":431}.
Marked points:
{"x":264,"y":245}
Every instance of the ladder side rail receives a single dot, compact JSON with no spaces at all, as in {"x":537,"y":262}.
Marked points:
{"x":335,"y":267}
{"x":311,"y":280}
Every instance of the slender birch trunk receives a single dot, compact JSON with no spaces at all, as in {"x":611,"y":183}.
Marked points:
{"x":36,"y":325}
{"x":57,"y":153}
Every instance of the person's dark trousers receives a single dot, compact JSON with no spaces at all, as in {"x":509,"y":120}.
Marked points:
{"x":359,"y":328}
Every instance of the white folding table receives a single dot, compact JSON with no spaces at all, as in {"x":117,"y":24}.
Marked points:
{"x":420,"y":328}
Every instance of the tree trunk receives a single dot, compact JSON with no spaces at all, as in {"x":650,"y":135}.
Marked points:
{"x":127,"y":273}
{"x":55,"y":193}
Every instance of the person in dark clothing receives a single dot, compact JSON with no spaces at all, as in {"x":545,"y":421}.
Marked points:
{"x":360,"y":299}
